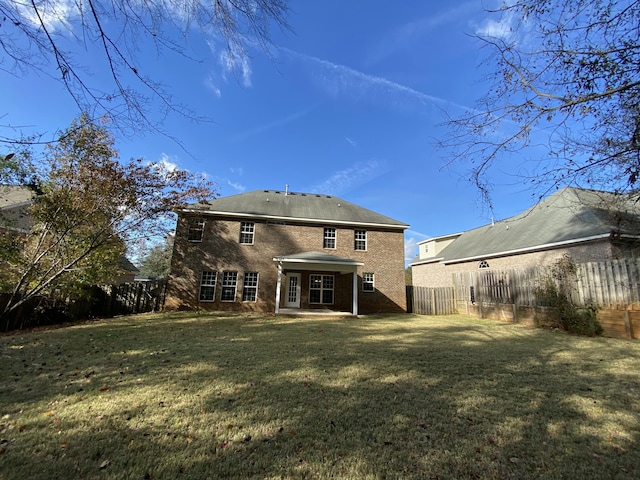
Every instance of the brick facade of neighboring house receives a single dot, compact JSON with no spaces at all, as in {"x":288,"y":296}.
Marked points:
{"x":586,"y":225}
{"x":267,"y":251}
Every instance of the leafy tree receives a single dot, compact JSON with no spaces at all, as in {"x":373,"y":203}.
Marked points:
{"x":90,"y":207}
{"x":36,"y":35}
{"x":565,"y":80}
{"x":156,"y":261}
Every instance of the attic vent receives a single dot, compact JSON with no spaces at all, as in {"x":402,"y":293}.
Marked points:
{"x":266,"y":191}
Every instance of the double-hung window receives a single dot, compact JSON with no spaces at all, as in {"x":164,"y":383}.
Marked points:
{"x":250,"y":287}
{"x":196,"y":230}
{"x":321,"y":289}
{"x":368,"y":284}
{"x":208,"y":286}
{"x":247,"y":230}
{"x":360,"y":240}
{"x":229,"y":285}
{"x":329,"y":238}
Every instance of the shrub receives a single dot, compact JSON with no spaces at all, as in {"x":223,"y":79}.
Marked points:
{"x":554,"y":293}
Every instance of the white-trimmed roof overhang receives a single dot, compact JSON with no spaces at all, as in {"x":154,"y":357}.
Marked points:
{"x":318,"y":261}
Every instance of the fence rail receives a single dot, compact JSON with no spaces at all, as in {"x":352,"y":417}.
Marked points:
{"x":430,"y":301}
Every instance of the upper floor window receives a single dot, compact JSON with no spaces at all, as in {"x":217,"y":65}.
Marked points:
{"x":368,"y":282}
{"x":208,"y":286}
{"x":483,"y":264}
{"x":250,"y":287}
{"x":329,"y":238}
{"x":360,"y":240}
{"x":247,"y":230}
{"x":229,"y":283}
{"x":196,"y":230}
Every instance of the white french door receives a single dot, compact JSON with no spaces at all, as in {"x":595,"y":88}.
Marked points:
{"x":293,"y":290}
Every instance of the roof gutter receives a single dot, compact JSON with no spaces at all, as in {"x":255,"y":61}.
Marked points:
{"x":290,"y":219}
{"x":547,"y":246}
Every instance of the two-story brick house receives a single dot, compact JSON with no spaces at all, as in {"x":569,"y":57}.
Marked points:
{"x":277,"y":251}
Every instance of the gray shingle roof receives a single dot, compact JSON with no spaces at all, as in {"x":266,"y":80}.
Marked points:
{"x":569,"y":215}
{"x":290,"y":206}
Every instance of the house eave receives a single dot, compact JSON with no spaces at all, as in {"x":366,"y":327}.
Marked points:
{"x":426,"y":261}
{"x":279,"y":218}
{"x":536,"y":248}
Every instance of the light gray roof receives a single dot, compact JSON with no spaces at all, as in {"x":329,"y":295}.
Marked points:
{"x":290,"y":206}
{"x":570,"y":215}
{"x":14,"y":202}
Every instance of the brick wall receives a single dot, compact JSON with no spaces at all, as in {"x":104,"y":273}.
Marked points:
{"x":220,"y":250}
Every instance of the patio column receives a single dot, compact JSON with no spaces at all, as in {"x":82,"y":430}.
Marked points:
{"x":355,"y":293}
{"x":278,"y":286}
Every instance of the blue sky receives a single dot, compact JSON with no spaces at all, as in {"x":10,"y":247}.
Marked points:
{"x":350,"y":104}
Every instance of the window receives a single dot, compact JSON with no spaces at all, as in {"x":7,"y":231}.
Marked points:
{"x":250,"y":287}
{"x":208,"y":286}
{"x":360,"y":240}
{"x":367,"y":282}
{"x":246,"y":232}
{"x":321,"y":289}
{"x":483,"y":264}
{"x":229,"y":281}
{"x":329,"y":238}
{"x":196,"y":230}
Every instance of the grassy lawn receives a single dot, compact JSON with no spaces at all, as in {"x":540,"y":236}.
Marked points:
{"x":188,"y":396}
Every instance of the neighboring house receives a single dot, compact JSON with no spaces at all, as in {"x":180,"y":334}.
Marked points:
{"x":14,"y":217}
{"x":269,"y":250}
{"x":587,"y":225}
{"x":14,"y":205}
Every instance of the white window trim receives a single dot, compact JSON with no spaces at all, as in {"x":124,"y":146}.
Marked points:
{"x":202,"y":224}
{"x":334,"y":238}
{"x":243,"y":232}
{"x":251,"y":287}
{"x":223,"y":286}
{"x":215,"y":281}
{"x":322,"y":289}
{"x":372,"y":282}
{"x":356,"y":240}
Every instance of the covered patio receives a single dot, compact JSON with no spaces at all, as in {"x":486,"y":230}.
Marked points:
{"x":318,"y":262}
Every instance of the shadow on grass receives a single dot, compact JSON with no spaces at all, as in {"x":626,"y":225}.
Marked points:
{"x":184,"y":396}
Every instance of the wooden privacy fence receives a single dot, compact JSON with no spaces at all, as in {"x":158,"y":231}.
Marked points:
{"x":430,"y":301}
{"x":613,"y":284}
{"x":126,"y":298}
{"x":613,"y":287}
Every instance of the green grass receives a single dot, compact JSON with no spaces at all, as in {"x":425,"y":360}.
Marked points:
{"x":188,"y":396}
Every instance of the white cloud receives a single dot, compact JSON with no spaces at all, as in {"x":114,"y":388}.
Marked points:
{"x":238,"y":171}
{"x":341,"y":82}
{"x":54,"y":14}
{"x":412,"y":238}
{"x":210,"y":84}
{"x":236,"y":186}
{"x":235,"y":60}
{"x":268,"y":126}
{"x":351,"y":142}
{"x":351,"y":177}
{"x":168,"y":162}
{"x":409,"y":35}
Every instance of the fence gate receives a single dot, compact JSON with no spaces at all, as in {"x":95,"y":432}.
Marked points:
{"x":430,"y":301}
